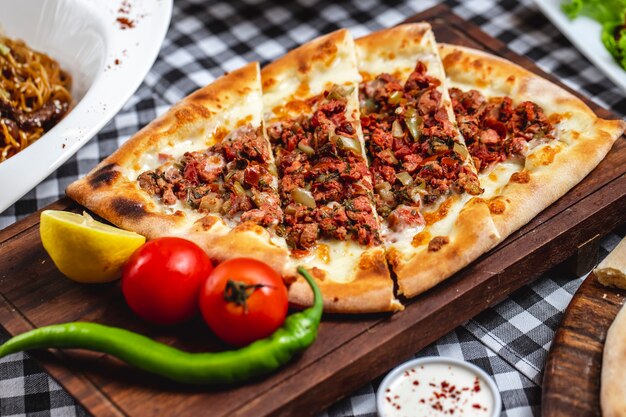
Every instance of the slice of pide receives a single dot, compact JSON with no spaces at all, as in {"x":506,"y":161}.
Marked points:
{"x":310,"y":98}
{"x":612,"y":386}
{"x":424,"y":179}
{"x":531,"y":140}
{"x":203,"y":171}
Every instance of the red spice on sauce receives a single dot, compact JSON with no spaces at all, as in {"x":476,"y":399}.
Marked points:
{"x":476,"y":385}
{"x":440,"y":396}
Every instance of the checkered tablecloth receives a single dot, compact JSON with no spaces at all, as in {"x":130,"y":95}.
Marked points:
{"x":510,"y":341}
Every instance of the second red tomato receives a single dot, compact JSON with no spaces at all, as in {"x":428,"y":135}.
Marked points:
{"x":243,"y":300}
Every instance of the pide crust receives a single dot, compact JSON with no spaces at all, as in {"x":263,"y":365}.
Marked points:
{"x":366,"y":293}
{"x":473,"y":233}
{"x":251,"y":96}
{"x":396,"y":51}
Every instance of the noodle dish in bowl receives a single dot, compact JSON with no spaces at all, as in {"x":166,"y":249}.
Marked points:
{"x":66,"y":68}
{"x":34,"y":95}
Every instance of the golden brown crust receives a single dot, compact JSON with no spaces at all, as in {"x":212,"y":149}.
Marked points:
{"x":246,"y":240}
{"x":122,"y":203}
{"x":369,"y":291}
{"x":583,"y":139}
{"x":396,"y":50}
{"x":305,"y":62}
{"x":473,"y":234}
{"x":388,"y":43}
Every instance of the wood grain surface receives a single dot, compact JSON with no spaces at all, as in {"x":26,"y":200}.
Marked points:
{"x":350,"y":350}
{"x":571,"y":381}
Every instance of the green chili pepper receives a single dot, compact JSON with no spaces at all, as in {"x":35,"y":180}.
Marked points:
{"x":296,"y":334}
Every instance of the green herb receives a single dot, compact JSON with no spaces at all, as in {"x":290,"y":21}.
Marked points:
{"x":413,"y":122}
{"x":395,"y":97}
{"x":304,"y":197}
{"x":306,"y":148}
{"x":4,"y":50}
{"x":611,"y":14}
{"x":238,"y":188}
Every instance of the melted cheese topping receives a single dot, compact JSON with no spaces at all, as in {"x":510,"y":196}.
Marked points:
{"x":339,"y":259}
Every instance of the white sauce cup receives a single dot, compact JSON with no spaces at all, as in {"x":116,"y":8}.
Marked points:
{"x":457,"y":384}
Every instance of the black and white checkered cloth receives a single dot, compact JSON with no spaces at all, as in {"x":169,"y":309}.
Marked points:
{"x":510,"y":341}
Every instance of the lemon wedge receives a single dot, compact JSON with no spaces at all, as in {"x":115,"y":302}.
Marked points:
{"x":84,"y":249}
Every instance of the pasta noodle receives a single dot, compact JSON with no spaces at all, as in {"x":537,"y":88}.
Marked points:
{"x":34,"y":95}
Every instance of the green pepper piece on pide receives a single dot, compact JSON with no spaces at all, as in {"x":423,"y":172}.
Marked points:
{"x":296,"y":334}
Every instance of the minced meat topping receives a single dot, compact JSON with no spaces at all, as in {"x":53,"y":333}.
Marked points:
{"x":324,"y":183}
{"x":231,"y":178}
{"x":495,"y":129}
{"x":414,"y":148}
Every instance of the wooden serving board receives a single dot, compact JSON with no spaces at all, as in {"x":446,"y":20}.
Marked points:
{"x":571,"y":381}
{"x":350,"y":350}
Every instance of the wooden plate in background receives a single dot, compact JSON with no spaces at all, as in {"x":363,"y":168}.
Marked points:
{"x":571,"y":382}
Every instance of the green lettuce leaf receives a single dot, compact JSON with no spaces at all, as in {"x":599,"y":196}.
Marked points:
{"x":604,"y":11}
{"x":614,"y":39}
{"x":612,"y":15}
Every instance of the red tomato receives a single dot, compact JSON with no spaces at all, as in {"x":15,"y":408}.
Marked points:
{"x":243,"y":300}
{"x":162,"y":280}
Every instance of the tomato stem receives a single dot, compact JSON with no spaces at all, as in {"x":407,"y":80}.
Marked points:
{"x":238,"y":292}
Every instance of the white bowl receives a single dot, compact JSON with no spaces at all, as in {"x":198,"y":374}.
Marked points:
{"x":107,"y":64}
{"x":438,"y":360}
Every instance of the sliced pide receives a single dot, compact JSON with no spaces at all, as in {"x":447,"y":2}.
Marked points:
{"x":310,"y":98}
{"x":424,"y":179}
{"x":531,"y":140}
{"x":352,"y":159}
{"x":203,"y":170}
